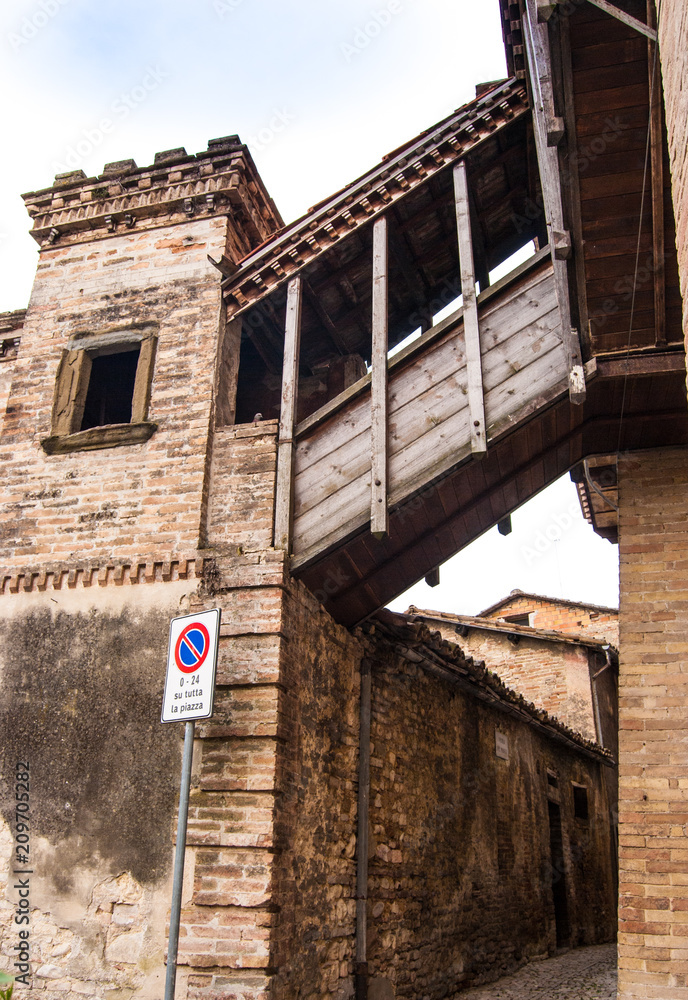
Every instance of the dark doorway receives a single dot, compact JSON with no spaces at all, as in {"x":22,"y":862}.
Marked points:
{"x":556,"y":848}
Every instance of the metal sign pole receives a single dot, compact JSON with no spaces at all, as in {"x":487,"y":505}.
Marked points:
{"x":175,"y":911}
{"x":189,"y":693}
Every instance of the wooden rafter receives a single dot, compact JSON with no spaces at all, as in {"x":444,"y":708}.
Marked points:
{"x":330,"y":328}
{"x":621,"y":15}
{"x":546,"y":8}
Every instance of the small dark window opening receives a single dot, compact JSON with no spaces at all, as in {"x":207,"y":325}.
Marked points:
{"x":110,"y":389}
{"x":580,"y":802}
{"x":552,"y":780}
{"x":519,"y":619}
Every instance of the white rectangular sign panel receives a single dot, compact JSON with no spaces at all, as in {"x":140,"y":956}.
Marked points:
{"x":191,"y":665}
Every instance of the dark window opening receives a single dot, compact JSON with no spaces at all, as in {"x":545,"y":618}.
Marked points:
{"x":552,"y":780}
{"x":520,"y":619}
{"x":580,"y":802}
{"x":110,"y":389}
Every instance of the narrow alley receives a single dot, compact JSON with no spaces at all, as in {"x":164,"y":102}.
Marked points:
{"x":581,"y":974}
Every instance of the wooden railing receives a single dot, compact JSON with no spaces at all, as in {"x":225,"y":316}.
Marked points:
{"x":429,"y":426}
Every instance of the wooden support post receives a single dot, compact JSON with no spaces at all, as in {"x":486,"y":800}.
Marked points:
{"x":540,"y":74}
{"x":572,"y":179}
{"x":379,"y":516}
{"x":476,"y":399}
{"x":285,"y":446}
{"x":657,"y":175}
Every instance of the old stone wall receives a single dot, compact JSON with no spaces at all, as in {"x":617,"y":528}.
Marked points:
{"x":673,"y":49}
{"x":461,"y":870}
{"x":317,"y":809}
{"x":653,"y":806}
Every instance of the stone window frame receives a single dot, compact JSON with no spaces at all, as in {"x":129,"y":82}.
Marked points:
{"x":71,"y":387}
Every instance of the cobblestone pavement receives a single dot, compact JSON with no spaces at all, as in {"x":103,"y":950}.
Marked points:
{"x":581,"y":974}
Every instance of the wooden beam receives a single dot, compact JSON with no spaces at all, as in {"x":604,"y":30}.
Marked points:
{"x":572,"y":178}
{"x":536,"y":37}
{"x":648,"y":364}
{"x":317,"y":307}
{"x":474,"y":371}
{"x":379,"y":514}
{"x":285,"y":445}
{"x":621,"y":15}
{"x":657,"y":176}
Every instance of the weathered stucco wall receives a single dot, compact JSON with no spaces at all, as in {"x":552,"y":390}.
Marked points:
{"x":461,"y":870}
{"x":81,"y":675}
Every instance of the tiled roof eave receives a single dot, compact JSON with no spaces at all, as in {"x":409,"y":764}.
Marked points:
{"x":285,"y":254}
{"x":508,"y":628}
{"x":416,"y":642}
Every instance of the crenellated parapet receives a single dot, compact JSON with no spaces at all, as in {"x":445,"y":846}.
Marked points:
{"x":221,"y":181}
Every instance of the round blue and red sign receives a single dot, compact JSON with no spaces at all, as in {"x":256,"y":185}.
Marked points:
{"x":192,"y":647}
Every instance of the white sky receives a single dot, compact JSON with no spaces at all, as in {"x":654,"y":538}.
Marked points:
{"x":320,"y":90}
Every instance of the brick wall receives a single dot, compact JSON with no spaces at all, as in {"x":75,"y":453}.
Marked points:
{"x":317,"y":810}
{"x":653,"y":803}
{"x":673,"y":39}
{"x":270,"y":908}
{"x":134,"y":503}
{"x":460,"y":874}
{"x":545,"y":614}
{"x":228,"y":917}
{"x":554,"y":676}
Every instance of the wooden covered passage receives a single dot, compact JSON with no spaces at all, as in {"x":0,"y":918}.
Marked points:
{"x":390,"y":464}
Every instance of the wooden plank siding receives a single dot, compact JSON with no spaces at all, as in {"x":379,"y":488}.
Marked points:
{"x":523,"y":359}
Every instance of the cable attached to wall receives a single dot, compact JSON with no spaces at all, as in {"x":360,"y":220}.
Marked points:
{"x":653,"y":83}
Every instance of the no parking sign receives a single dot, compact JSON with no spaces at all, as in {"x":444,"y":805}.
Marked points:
{"x":191,"y":664}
